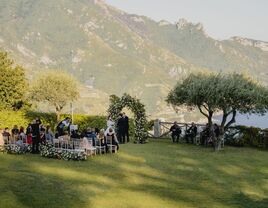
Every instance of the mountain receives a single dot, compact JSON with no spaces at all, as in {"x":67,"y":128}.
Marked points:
{"x":112,"y":52}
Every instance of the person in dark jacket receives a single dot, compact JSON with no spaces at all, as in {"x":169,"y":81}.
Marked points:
{"x":90,"y":134}
{"x":175,"y":132}
{"x":35,"y":136}
{"x":191,"y":133}
{"x":121,"y":129}
{"x":126,"y":126}
{"x":63,"y":124}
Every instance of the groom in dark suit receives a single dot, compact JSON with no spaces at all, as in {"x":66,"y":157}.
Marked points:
{"x":126,"y":126}
{"x":121,"y":129}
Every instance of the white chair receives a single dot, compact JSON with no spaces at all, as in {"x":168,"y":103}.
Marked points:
{"x":99,"y":147}
{"x":197,"y":140}
{"x":88,"y":146}
{"x":77,"y":146}
{"x":2,"y":143}
{"x":56,"y":143}
{"x":6,"y":140}
{"x":112,"y":148}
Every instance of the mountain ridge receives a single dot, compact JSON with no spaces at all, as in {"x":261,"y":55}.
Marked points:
{"x":112,"y":52}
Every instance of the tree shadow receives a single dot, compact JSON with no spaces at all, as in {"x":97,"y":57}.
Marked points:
{"x":177,"y":175}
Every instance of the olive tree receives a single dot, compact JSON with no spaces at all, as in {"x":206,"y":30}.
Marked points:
{"x":57,"y":88}
{"x":13,"y":84}
{"x":224,"y":93}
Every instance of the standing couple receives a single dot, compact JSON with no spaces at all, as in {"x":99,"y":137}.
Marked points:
{"x":123,"y":128}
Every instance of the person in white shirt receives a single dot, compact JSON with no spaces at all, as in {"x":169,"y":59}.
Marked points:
{"x":110,"y":125}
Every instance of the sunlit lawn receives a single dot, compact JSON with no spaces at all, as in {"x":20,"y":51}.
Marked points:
{"x":157,"y":174}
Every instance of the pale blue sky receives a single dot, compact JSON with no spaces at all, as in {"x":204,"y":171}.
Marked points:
{"x":221,"y":18}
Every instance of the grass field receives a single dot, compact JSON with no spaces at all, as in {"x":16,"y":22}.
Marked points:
{"x":157,"y":174}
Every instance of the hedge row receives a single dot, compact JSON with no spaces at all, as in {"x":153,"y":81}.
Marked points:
{"x":249,"y":136}
{"x":23,"y":118}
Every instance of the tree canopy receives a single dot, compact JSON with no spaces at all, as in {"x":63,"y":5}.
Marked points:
{"x":57,"y":88}
{"x":225,"y":93}
{"x":13,"y":83}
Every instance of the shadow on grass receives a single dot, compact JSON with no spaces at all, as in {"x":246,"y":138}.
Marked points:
{"x":153,"y":175}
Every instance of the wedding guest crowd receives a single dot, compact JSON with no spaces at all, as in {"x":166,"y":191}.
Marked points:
{"x":35,"y":133}
{"x":207,"y":135}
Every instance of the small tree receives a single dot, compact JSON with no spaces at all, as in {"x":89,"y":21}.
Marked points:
{"x":55,"y":87}
{"x":13,"y":83}
{"x":227,"y":94}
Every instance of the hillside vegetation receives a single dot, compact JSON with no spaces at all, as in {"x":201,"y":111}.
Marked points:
{"x":112,"y":52}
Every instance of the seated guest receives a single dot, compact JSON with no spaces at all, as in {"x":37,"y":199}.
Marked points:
{"x":101,"y":138}
{"x":49,"y":135}
{"x":22,"y":135}
{"x":90,"y":134}
{"x":191,"y":133}
{"x":204,"y":135}
{"x":111,"y":133}
{"x":29,"y":134}
{"x":6,"y":135}
{"x":65,"y":136}
{"x":15,"y":133}
{"x":19,"y":142}
{"x":42,"y":137}
{"x":64,"y":139}
{"x":15,"y":130}
{"x":75,"y":134}
{"x":175,"y":132}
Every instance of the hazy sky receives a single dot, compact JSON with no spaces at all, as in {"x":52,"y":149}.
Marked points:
{"x":221,"y":18}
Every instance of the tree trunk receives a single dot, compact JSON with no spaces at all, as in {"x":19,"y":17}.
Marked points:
{"x":210,"y":126}
{"x":232,"y":120}
{"x":217,"y":145}
{"x":58,"y":113}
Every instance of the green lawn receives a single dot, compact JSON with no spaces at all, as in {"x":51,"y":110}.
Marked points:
{"x":157,"y":174}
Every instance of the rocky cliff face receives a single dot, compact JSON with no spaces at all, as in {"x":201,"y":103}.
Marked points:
{"x":250,"y":42}
{"x":112,"y":52}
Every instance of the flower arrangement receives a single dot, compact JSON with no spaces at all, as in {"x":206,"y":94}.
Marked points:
{"x":116,"y":106}
{"x":15,"y":149}
{"x":49,"y":151}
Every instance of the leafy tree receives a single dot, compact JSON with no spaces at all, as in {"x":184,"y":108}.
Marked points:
{"x":56,"y":88}
{"x":13,"y":83}
{"x":228,"y":94}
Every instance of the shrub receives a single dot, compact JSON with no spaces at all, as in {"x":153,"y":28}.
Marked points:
{"x":23,"y":118}
{"x":246,"y":136}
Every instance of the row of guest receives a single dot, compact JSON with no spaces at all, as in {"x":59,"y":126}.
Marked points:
{"x":191,"y":133}
{"x":98,"y":137}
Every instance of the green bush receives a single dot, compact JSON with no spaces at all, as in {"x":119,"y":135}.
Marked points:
{"x":11,"y":118}
{"x":251,"y":136}
{"x":23,"y":118}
